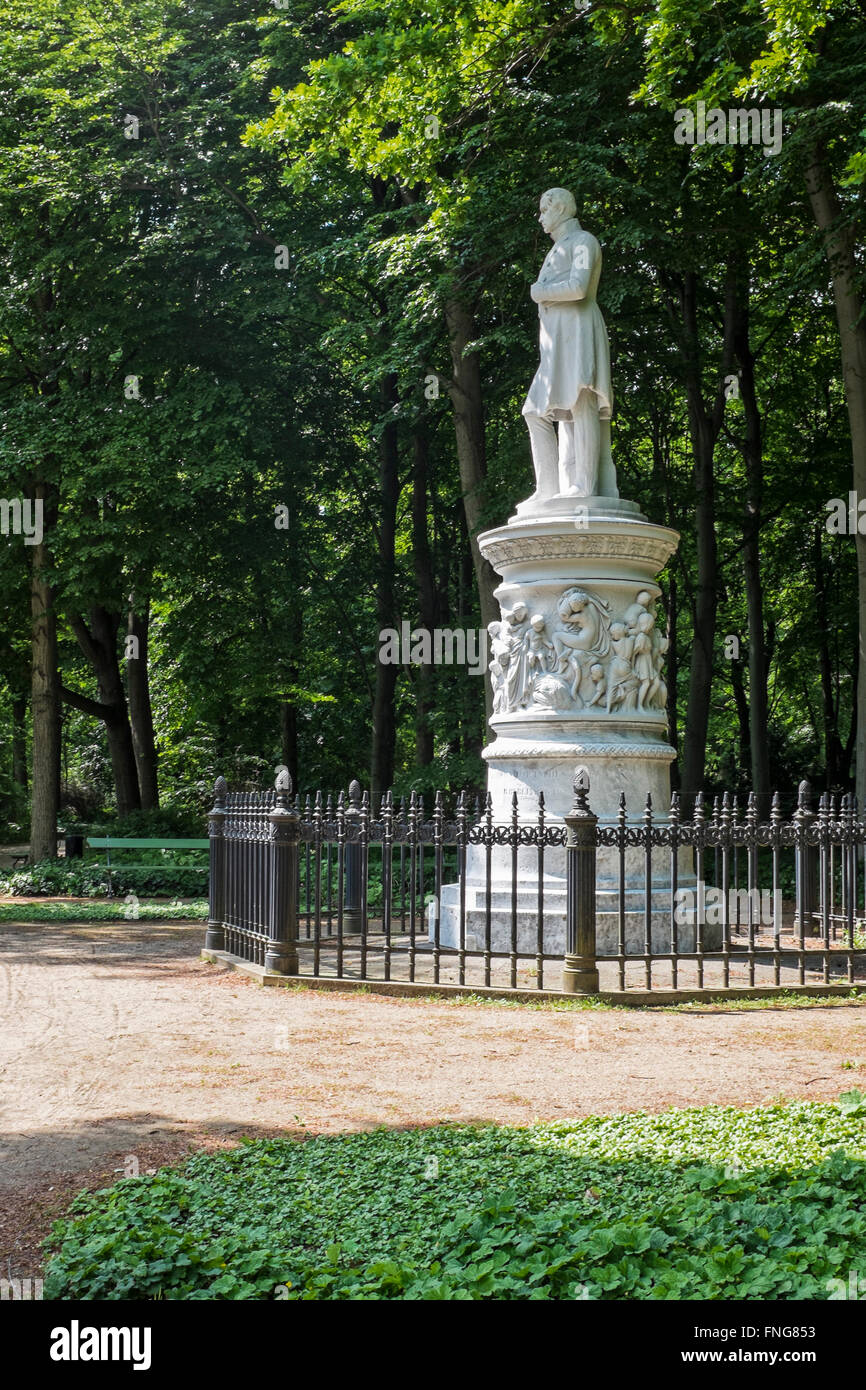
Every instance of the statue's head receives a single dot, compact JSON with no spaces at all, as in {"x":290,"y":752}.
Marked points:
{"x":538,"y":622}
{"x":518,"y":613}
{"x":556,"y":206}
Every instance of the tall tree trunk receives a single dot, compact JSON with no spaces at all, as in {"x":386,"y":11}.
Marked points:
{"x":289,"y":663}
{"x":742,"y":707}
{"x":384,"y":722}
{"x":661,"y":485}
{"x":467,"y":399}
{"x":704,"y":427}
{"x":672,"y":671}
{"x":19,"y":741}
{"x":752,"y":450}
{"x":289,"y":739}
{"x":841,"y":249}
{"x":105,"y":627}
{"x":140,"y":712}
{"x":474,"y":728}
{"x":704,"y":621}
{"x":289,"y":732}
{"x":851,"y":740}
{"x":45,"y":695}
{"x":425,"y":590}
{"x":98,"y":642}
{"x":835,"y":761}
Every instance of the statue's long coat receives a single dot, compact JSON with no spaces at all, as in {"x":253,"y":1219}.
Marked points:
{"x":573,"y":342}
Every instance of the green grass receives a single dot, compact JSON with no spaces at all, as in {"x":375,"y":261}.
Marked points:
{"x":784,"y":1000}
{"x":710,"y":1203}
{"x":710,"y":1003}
{"x":113,"y":911}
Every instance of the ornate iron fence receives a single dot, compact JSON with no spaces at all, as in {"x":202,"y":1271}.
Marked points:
{"x":718,"y":900}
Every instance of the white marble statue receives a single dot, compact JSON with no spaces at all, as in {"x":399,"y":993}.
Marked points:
{"x":571,"y":391}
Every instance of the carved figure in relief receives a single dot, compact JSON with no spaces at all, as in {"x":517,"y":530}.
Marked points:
{"x":585,"y":623}
{"x":515,"y":632}
{"x":648,"y":652}
{"x":540,"y":651}
{"x":622,"y":682}
{"x":596,"y":672}
{"x":661,"y":695}
{"x":642,"y":604}
{"x":644,"y":659}
{"x":583,"y":634}
{"x":657,"y":694}
{"x":499,"y":652}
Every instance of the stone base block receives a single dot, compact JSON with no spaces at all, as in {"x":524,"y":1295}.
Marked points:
{"x":553,"y":936}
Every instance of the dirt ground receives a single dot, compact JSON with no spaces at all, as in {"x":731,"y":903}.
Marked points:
{"x":118,"y":1043}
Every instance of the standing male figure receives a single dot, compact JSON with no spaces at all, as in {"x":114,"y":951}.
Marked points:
{"x":571,"y":390}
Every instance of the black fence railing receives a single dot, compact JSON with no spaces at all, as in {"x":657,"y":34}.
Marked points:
{"x":337,"y":888}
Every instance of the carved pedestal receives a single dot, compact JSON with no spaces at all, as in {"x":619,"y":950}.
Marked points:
{"x":577,"y":664}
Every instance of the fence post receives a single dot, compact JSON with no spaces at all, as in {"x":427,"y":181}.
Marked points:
{"x":580,"y":970}
{"x":353,"y":917}
{"x":806,"y":877}
{"x":281,"y":956}
{"x":215,"y":938}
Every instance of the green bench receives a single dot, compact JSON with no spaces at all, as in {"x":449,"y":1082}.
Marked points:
{"x":115,"y":842}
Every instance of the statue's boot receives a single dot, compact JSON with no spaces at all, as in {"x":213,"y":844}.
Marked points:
{"x":545,"y":459}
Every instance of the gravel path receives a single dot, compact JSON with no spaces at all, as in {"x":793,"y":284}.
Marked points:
{"x":118,"y":1042}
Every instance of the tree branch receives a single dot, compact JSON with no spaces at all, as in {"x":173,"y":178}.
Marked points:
{"x":87,"y":706}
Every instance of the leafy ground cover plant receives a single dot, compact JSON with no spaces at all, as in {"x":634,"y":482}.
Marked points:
{"x":709,"y":1203}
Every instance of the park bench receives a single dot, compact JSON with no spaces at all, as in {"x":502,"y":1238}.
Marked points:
{"x":115,"y":842}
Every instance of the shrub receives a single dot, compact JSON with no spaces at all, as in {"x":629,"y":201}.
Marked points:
{"x":166,"y":822}
{"x":88,"y":878}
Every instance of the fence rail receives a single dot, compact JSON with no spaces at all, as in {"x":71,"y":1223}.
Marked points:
{"x":718,"y":900}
